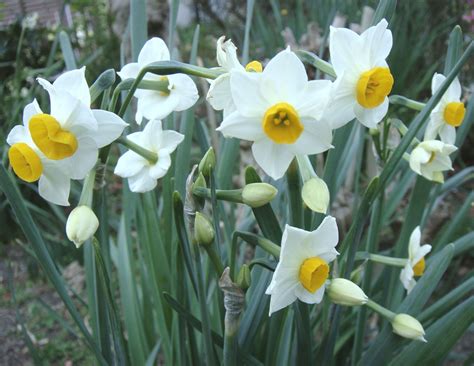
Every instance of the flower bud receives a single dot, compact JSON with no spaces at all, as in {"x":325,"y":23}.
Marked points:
{"x":200,"y":182}
{"x":345,"y":292}
{"x":315,"y":194}
{"x":243,"y":278}
{"x":81,"y":225}
{"x":207,"y":162}
{"x":408,"y":327}
{"x":203,"y":230}
{"x":258,"y":194}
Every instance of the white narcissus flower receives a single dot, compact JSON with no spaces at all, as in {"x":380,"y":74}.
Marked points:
{"x":279,"y":110}
{"x":72,"y":132}
{"x":448,"y":113}
{"x":142,"y":174}
{"x":431,"y":158}
{"x":363,"y":77}
{"x":219,"y":94}
{"x":416,"y":260}
{"x":303,"y":268}
{"x":155,"y":104}
{"x":31,"y":165}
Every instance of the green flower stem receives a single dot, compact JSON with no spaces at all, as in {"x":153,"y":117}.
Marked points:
{"x":381,"y":310}
{"x":230,"y":195}
{"x":400,"y":126}
{"x":317,"y":62}
{"x":396,"y":262}
{"x":404,"y":101}
{"x":256,"y":240}
{"x":306,"y":169}
{"x":167,"y":68}
{"x":147,"y":154}
{"x":87,"y":189}
{"x":215,"y":259}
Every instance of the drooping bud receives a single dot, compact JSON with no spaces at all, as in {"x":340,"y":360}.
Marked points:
{"x":345,"y":292}
{"x":243,"y":278}
{"x":81,"y":225}
{"x":408,"y":327}
{"x":208,"y":161}
{"x":203,"y":230}
{"x":315,"y":194}
{"x":258,"y":194}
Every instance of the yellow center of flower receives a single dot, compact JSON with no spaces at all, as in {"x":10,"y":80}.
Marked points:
{"x":432,"y":157}
{"x":313,"y":273}
{"x":419,"y":267}
{"x":51,"y":139}
{"x":25,"y":162}
{"x":254,"y":66}
{"x":454,"y":113}
{"x":282,"y":124}
{"x":373,"y":86}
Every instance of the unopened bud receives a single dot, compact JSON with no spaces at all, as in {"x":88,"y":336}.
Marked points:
{"x":345,"y":292}
{"x":203,"y":230}
{"x":200,"y":182}
{"x":81,"y":225}
{"x":315,"y":194}
{"x":258,"y":194}
{"x":208,"y":162}
{"x":408,"y":327}
{"x":243,"y":278}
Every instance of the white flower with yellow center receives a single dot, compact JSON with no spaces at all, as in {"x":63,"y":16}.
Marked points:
{"x":155,"y":104}
{"x":72,"y":132}
{"x":416,"y":260}
{"x":143,"y":174}
{"x":31,"y":165}
{"x":431,"y":158}
{"x":363,"y":77}
{"x":219,"y":94}
{"x":448,"y":113}
{"x":279,"y":110}
{"x":303,"y":269}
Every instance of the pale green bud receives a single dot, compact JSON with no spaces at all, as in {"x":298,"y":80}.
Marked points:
{"x":243,"y":278}
{"x":345,"y":292}
{"x":258,"y":194}
{"x":200,"y":182}
{"x":208,"y":161}
{"x":315,"y":194}
{"x":81,"y":225}
{"x":408,"y":327}
{"x":203,"y":230}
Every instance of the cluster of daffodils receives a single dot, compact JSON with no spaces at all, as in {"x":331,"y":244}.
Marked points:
{"x":285,"y":115}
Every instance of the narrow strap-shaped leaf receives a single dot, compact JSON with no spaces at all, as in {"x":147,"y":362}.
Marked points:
{"x":68,"y":53}
{"x":385,"y":9}
{"x":454,"y":49}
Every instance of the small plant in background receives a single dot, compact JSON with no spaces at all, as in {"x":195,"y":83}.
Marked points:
{"x":211,"y":255}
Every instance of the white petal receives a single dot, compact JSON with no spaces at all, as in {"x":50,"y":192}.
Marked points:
{"x":283,"y":294}
{"x":308,"y":297}
{"x":219,"y":95}
{"x":342,"y":43}
{"x":74,"y":82}
{"x":110,"y":127}
{"x":454,"y":91}
{"x":245,"y":128}
{"x":152,"y":135}
{"x":157,"y":106}
{"x":170,"y":141}
{"x":376,"y":43}
{"x":324,"y":239}
{"x":185,"y":89}
{"x":153,"y":50}
{"x":294,"y":247}
{"x":161,"y":167}
{"x":142,"y":182}
{"x":315,"y":138}
{"x":129,"y":71}
{"x":447,"y":134}
{"x":314,"y":99}
{"x":433,"y":127}
{"x":130,"y":164}
{"x":30,"y":110}
{"x":54,"y":186}
{"x":340,"y":109}
{"x":246,"y":93}
{"x":83,"y":160}
{"x":406,"y":277}
{"x":273,"y":158}
{"x":226,"y":54}
{"x":18,"y":134}
{"x":414,"y":242}
{"x":371,"y":117}
{"x":436,"y":82}
{"x":418,"y":157}
{"x":284,"y":78}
